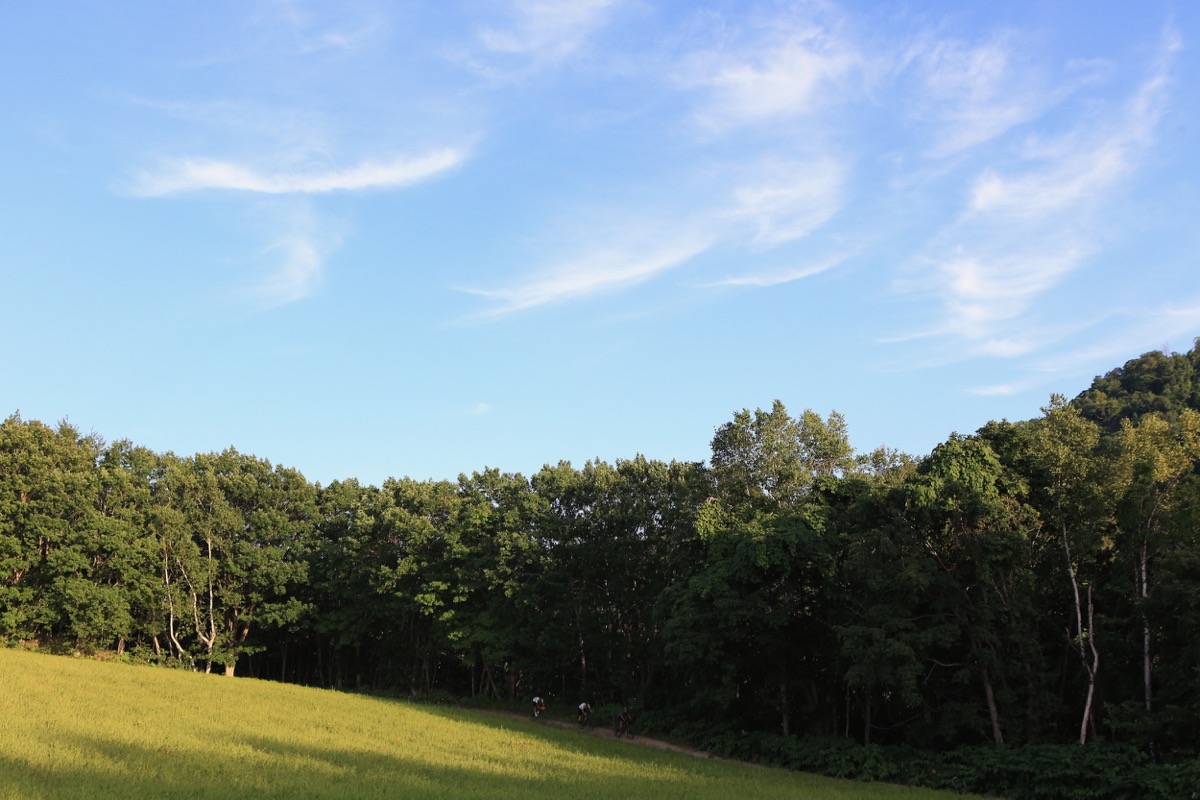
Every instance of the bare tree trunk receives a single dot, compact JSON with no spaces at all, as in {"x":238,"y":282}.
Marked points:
{"x":867,"y":719}
{"x":582,"y":649}
{"x":784,"y":707}
{"x":846,"y":730}
{"x":173,"y":639}
{"x":582,"y":666}
{"x":487,"y":682}
{"x":993,"y":712}
{"x":1083,"y":634}
{"x":1092,"y":669}
{"x":1144,"y":586}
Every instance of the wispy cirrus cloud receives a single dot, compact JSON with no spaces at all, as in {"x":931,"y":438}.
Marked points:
{"x":1108,"y":335}
{"x":547,"y":30}
{"x":785,"y":72}
{"x":601,"y":270}
{"x":989,"y":287}
{"x":197,"y":175}
{"x":1026,"y":227}
{"x":972,"y":94}
{"x":796,"y":199}
{"x":778,"y":277}
{"x":1079,"y":168}
{"x":1000,"y":389}
{"x":299,"y":250}
{"x":297,"y":275}
{"x":307,"y":31}
{"x":534,"y":35}
{"x":296,"y":257}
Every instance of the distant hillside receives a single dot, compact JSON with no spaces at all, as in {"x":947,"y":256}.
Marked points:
{"x":1154,"y":382}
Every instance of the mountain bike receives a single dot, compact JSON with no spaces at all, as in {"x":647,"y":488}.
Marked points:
{"x":624,"y":727}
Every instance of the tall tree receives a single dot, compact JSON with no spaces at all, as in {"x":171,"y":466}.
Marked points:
{"x":753,"y":607}
{"x":769,"y":460}
{"x":499,"y":564}
{"x":1070,"y":478}
{"x":123,"y":569}
{"x":1154,"y":457}
{"x":233,"y":550}
{"x":977,"y":529}
{"x":48,"y":486}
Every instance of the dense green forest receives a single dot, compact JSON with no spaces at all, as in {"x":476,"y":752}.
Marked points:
{"x":1035,"y":582}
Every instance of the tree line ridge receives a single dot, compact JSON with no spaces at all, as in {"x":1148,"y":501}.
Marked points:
{"x":1035,"y":582}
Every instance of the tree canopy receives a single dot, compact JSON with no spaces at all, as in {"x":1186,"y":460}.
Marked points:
{"x":1035,"y":581}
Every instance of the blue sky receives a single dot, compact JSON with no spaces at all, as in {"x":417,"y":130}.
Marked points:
{"x":417,"y":239}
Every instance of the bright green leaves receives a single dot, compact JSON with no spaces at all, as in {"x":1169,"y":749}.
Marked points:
{"x":769,"y":460}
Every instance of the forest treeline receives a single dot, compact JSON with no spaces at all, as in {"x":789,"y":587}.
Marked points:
{"x":1036,"y":581}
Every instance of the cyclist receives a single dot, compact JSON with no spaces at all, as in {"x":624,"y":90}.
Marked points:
{"x":585,"y":713}
{"x":624,"y":721}
{"x":539,"y":705}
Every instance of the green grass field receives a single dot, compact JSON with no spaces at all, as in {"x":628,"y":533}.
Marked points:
{"x":75,"y":728}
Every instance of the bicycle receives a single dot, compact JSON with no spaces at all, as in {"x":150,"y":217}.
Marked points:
{"x":624,"y":727}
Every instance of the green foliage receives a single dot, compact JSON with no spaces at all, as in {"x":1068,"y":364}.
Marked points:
{"x":1032,"y":584}
{"x":1154,"y":383}
{"x":1033,"y":772}
{"x":769,"y":459}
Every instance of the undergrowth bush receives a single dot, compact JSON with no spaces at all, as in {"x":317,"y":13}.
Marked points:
{"x":1035,"y":772}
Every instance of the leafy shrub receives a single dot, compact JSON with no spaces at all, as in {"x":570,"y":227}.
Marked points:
{"x":1180,"y":781}
{"x":1097,"y":771}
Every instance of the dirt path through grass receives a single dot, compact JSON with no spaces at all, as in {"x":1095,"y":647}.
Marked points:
{"x":638,"y":740}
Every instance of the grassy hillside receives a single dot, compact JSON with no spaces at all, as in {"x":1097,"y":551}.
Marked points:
{"x":78,"y":728}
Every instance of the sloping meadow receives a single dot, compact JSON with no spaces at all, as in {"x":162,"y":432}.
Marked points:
{"x":82,"y":728}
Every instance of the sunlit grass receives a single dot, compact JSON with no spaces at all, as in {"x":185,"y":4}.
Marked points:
{"x":79,"y":728}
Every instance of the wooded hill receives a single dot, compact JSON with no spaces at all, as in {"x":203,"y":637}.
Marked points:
{"x":1037,"y":581}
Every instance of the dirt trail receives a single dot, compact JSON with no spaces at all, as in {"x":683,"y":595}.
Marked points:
{"x":603,"y":730}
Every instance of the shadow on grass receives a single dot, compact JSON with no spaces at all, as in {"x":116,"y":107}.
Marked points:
{"x":275,"y":767}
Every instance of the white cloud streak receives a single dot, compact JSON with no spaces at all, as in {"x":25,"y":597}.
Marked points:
{"x":198,"y":175}
{"x":1075,"y":172}
{"x":537,"y":34}
{"x":770,"y":79}
{"x":795,"y":201}
{"x":546,"y":29}
{"x":999,"y":389}
{"x":310,"y":28}
{"x":1024,"y":230}
{"x":297,"y":276}
{"x":298,"y":256}
{"x":973,"y":95}
{"x":602,"y":271}
{"x":778,"y":277}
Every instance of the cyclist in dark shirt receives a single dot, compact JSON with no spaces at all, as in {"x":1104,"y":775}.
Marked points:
{"x":624,"y":721}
